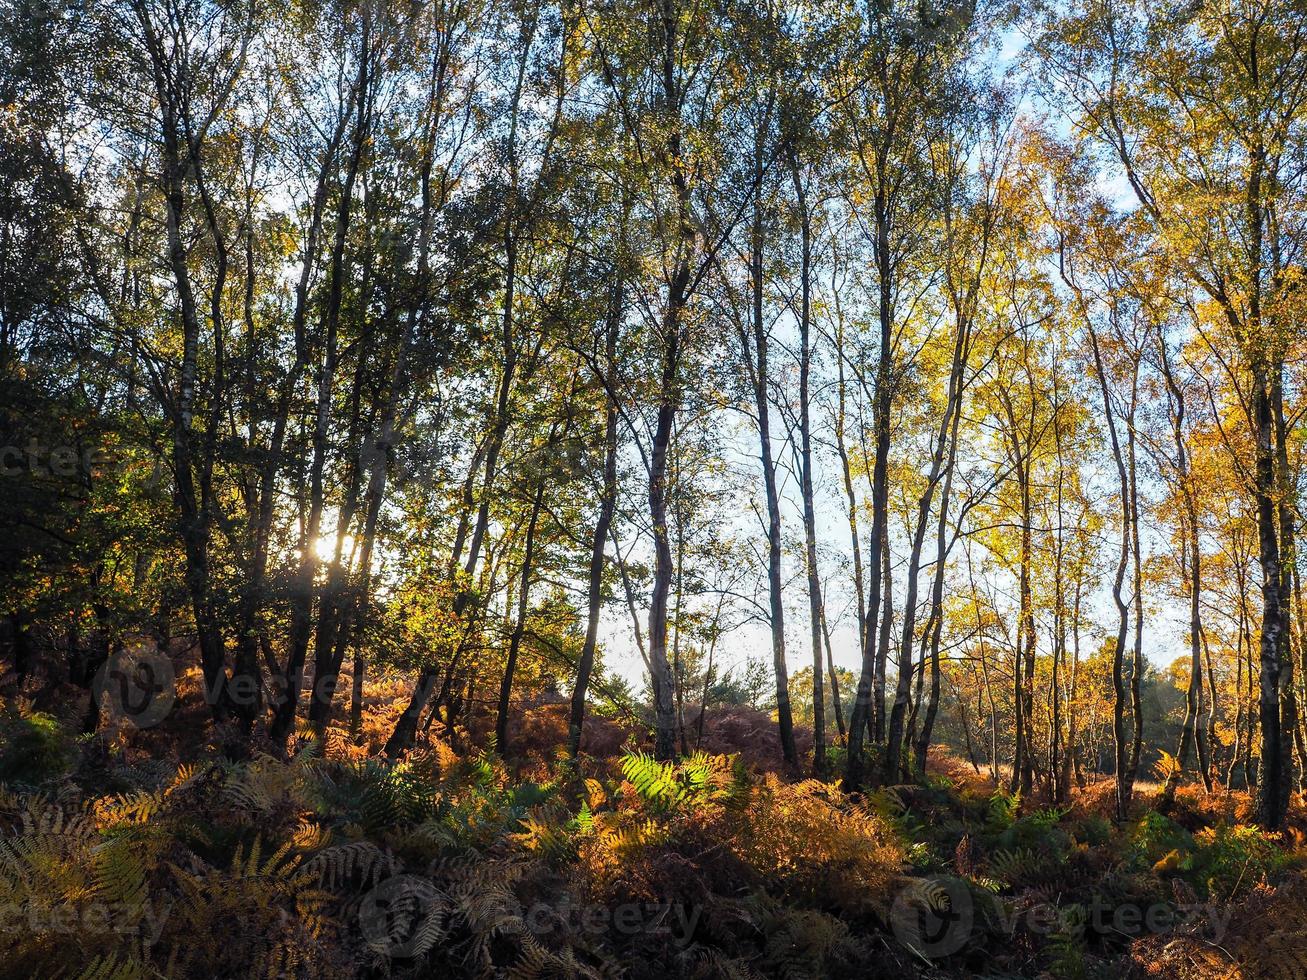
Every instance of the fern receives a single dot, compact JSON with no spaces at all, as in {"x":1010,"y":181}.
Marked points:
{"x":545,"y":834}
{"x":654,"y":781}
{"x":1166,"y":767}
{"x":112,"y":968}
{"x":1066,"y":945}
{"x":1013,"y":867}
{"x":1003,"y":809}
{"x":1280,"y":956}
{"x":359,"y":862}
{"x":698,"y":781}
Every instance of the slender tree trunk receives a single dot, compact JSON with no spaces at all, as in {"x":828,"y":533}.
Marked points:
{"x":252,"y":598}
{"x":678,"y":666}
{"x":847,"y":473}
{"x":1124,"y":785}
{"x":1236,"y":752}
{"x":192,"y":505}
{"x":1026,"y":644}
{"x":1137,"y":585}
{"x":607,"y":506}
{"x":834,"y":678}
{"x":401,"y":738}
{"x":1270,"y":776}
{"x":937,"y":586}
{"x":871,"y":682}
{"x":1071,"y":764}
{"x":302,"y":596}
{"x":1293,"y":740}
{"x":669,"y":394}
{"x":941,"y":468}
{"x":1193,"y":734}
{"x":806,"y":474}
{"x":664,"y":568}
{"x":523,"y":607}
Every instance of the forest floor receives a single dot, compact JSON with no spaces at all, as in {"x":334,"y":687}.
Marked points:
{"x":147,"y":853}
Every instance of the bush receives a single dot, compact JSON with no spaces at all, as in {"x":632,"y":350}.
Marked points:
{"x":1157,"y":837}
{"x":33,"y":749}
{"x":1229,"y":860}
{"x":812,"y":843}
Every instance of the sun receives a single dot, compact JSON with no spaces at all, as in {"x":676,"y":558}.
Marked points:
{"x":326,"y":547}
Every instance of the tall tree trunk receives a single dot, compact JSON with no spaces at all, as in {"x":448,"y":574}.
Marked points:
{"x":678,"y":666}
{"x":834,"y":677}
{"x":806,"y":474}
{"x":1293,"y":740}
{"x":1137,"y":663}
{"x":401,"y":737}
{"x":664,"y":568}
{"x":1124,"y":786}
{"x":252,"y":598}
{"x":871,"y":681}
{"x":941,"y":458}
{"x":1270,"y":775}
{"x":347,"y":614}
{"x":607,"y":506}
{"x":1059,"y":608}
{"x":1193,"y":735}
{"x":669,"y":395}
{"x":1026,"y":644}
{"x":523,"y":607}
{"x":303,"y":591}
{"x":193,"y":505}
{"x":941,"y":556}
{"x":847,"y":473}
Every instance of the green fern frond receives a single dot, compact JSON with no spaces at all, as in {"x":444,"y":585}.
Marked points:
{"x":112,"y":968}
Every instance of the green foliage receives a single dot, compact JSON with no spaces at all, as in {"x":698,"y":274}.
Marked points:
{"x":693,"y":783}
{"x":1155,"y":836}
{"x":390,"y":796}
{"x":33,"y":749}
{"x":1066,"y":952}
{"x":1229,"y":861}
{"x":1093,"y":829}
{"x":263,"y":864}
{"x":1039,"y":830}
{"x":1021,"y":866}
{"x":1003,"y":808}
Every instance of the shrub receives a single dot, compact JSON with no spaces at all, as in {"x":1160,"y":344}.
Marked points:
{"x":33,"y":749}
{"x":1155,"y":837}
{"x":1229,"y":860}
{"x":812,"y":843}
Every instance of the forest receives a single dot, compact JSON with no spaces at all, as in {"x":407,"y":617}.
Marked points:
{"x":653,"y":488}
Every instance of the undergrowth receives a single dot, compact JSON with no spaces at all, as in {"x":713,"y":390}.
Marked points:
{"x":447,"y":863}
